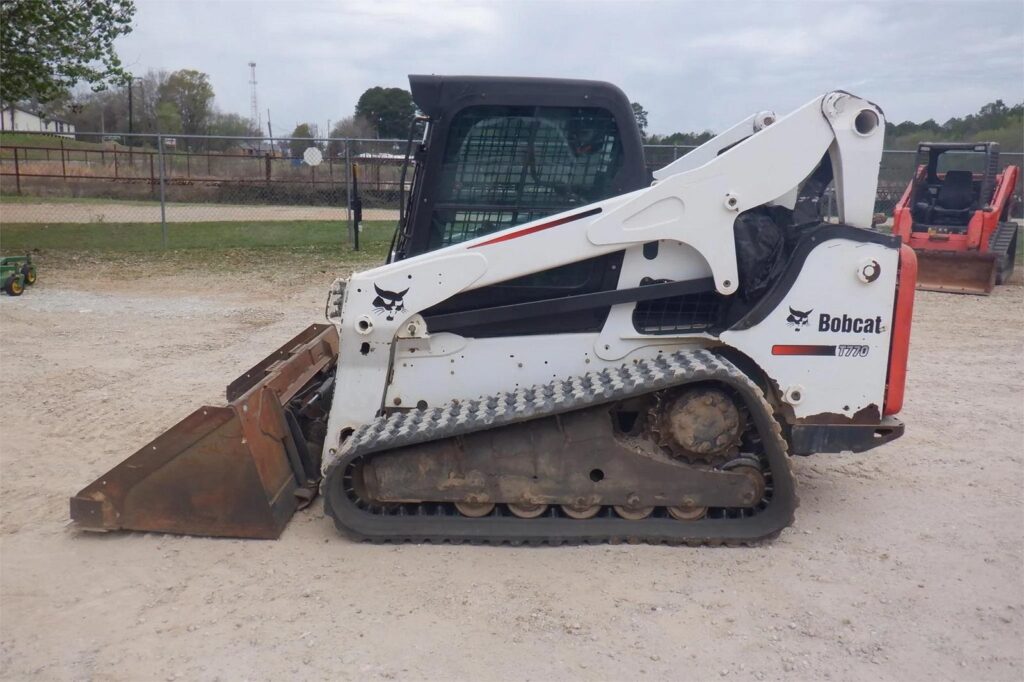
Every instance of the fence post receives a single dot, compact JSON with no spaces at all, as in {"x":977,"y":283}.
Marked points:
{"x":163,"y":203}
{"x":348,"y":189}
{"x":267,"y":170}
{"x":17,"y":172}
{"x":152,"y":175}
{"x":357,"y":207}
{"x":63,"y":164}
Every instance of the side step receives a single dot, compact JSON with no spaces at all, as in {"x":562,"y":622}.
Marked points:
{"x":235,"y":471}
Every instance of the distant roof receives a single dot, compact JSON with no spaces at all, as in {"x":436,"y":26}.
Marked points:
{"x":23,"y":109}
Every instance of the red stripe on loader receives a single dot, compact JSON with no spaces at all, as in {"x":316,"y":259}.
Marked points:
{"x":537,"y":228}
{"x":795,"y":349}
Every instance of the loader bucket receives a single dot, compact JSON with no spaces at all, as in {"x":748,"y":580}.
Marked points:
{"x":957,"y":272}
{"x":235,"y":471}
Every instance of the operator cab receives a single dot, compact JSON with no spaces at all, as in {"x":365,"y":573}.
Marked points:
{"x":953,"y":181}
{"x":499,"y":152}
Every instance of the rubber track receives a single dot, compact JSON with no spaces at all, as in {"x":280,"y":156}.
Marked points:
{"x":999,"y":242}
{"x":558,"y":397}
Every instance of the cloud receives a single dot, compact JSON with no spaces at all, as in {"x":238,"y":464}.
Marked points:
{"x":694,"y":65}
{"x":790,"y":36}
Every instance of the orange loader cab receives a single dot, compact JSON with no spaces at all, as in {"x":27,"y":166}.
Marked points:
{"x":956,"y":215}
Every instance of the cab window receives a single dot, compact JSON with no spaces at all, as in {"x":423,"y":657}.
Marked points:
{"x":504,"y":166}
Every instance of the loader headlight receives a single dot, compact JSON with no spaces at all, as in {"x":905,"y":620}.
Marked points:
{"x":364,"y":325}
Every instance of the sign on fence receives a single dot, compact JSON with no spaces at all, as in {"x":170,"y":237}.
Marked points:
{"x":313,"y":156}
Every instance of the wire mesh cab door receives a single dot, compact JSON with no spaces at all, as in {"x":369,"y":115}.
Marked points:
{"x":505,"y":151}
{"x":502,"y":152}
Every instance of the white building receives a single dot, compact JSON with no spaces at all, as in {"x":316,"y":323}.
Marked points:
{"x":15,"y":118}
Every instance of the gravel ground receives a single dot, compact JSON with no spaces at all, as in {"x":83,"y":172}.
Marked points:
{"x":904,"y":563}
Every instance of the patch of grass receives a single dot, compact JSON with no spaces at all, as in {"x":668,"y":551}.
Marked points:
{"x":286,"y":265}
{"x":33,"y":140}
{"x":25,"y":199}
{"x":213,"y":236}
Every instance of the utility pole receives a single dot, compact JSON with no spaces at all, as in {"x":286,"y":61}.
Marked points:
{"x":270,"y":132}
{"x":131,"y":117}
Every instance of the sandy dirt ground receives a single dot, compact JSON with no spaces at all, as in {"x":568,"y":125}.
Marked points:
{"x":904,"y":563}
{"x":143,"y":212}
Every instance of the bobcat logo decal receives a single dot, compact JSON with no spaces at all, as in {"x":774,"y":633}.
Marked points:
{"x":798,"y":319}
{"x":389,"y":302}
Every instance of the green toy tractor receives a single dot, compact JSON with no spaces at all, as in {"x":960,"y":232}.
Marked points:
{"x":17,"y":272}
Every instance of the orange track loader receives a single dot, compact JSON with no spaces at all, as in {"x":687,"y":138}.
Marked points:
{"x":956,"y":215}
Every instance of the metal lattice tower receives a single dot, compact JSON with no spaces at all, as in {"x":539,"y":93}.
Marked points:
{"x":257,"y":120}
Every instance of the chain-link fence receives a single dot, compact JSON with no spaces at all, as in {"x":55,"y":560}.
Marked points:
{"x":126,"y":179}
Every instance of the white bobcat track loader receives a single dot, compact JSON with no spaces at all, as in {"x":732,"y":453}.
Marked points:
{"x":560,"y":350}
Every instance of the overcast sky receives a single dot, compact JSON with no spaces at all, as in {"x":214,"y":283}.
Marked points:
{"x":693,"y":65}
